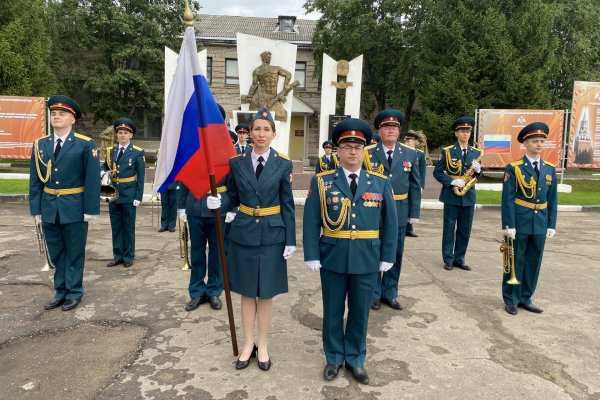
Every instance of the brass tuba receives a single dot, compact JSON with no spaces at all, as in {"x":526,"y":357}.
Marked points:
{"x":184,"y":235}
{"x":108,"y":193}
{"x":468,"y":178}
{"x":507,"y":249}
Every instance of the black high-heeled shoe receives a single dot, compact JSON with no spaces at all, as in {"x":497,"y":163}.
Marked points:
{"x":239,"y":364}
{"x":263,"y":365}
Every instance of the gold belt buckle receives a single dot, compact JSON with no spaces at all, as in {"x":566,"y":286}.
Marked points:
{"x":256,"y":212}
{"x":353,"y":235}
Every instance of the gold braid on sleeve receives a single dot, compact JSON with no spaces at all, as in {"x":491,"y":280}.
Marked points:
{"x":38,"y":160}
{"x":328,"y":223}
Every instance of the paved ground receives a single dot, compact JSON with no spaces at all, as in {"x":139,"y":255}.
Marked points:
{"x":132,"y":339}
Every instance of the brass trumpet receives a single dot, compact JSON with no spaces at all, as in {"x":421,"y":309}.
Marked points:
{"x":184,"y":235}
{"x":43,"y":248}
{"x":508,"y":259}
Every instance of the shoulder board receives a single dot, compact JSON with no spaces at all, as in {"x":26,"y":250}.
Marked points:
{"x":371,"y":146}
{"x":80,"y":136}
{"x":518,"y":162}
{"x":43,"y":137}
{"x":420,"y":151}
{"x":326,"y":173}
{"x":236,"y":156}
{"x":376,"y":174}
{"x":282,"y":156}
{"x":549,"y":163}
{"x":408,"y":147}
{"x":138,"y":148}
{"x":448,"y":147}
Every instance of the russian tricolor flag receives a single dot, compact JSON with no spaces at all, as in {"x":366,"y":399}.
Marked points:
{"x":496,"y":144}
{"x":195,"y":141}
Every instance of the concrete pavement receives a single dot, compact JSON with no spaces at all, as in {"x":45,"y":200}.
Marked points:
{"x":132,"y":339}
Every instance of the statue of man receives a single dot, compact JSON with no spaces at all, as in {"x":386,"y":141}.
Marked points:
{"x":107,"y":139}
{"x":263,"y":91}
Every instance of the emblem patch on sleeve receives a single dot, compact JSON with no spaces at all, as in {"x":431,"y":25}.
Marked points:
{"x":506,"y":176}
{"x":95,"y":153}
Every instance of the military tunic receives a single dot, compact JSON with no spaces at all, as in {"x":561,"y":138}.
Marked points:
{"x":72,"y":189}
{"x":327,"y":165}
{"x":405,"y":180}
{"x":458,"y":211}
{"x":529,"y":205}
{"x":423,"y":173}
{"x":349,"y":261}
{"x":128,"y":176}
{"x":238,"y":147}
{"x":168,"y":205}
{"x":255,"y":255}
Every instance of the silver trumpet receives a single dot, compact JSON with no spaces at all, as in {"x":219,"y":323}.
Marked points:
{"x":43,"y":248}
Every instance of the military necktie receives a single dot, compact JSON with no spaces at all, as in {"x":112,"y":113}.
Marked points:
{"x":120,"y":154}
{"x":389,"y":158}
{"x":58,"y":147}
{"x":353,"y":184}
{"x":242,"y":147}
{"x":536,"y":169}
{"x":259,"y":167}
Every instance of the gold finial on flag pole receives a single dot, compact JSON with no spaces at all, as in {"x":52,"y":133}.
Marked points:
{"x":187,"y":14}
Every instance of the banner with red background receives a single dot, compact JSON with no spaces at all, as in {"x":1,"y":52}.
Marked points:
{"x":498,"y":130}
{"x":22,"y":120}
{"x":584,"y":136}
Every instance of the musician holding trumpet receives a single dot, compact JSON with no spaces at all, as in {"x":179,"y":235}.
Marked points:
{"x":63,"y":196}
{"x":457,"y":170}
{"x":127,"y":168}
{"x":529,"y":208}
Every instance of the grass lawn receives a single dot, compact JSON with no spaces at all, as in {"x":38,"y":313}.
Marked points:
{"x":585,"y":193}
{"x":14,"y":186}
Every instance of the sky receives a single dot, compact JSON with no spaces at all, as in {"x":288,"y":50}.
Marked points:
{"x":254,"y":8}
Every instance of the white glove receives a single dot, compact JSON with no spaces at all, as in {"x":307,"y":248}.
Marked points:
{"x":213,"y":202}
{"x":413,"y":220}
{"x":385,"y":266}
{"x":511,"y":233}
{"x":37,"y":219}
{"x":88,"y":217}
{"x":458,"y":182}
{"x":229,"y":217}
{"x":102,"y":173}
{"x":550,"y":233}
{"x":288,"y":252}
{"x":314,"y":265}
{"x":476,"y":166}
{"x":182,"y":214}
{"x":136,"y":203}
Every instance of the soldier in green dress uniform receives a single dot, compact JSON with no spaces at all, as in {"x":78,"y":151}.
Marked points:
{"x":350,"y":236}
{"x":328,"y":161}
{"x":410,"y":139}
{"x":64,"y":194}
{"x":529,"y":208}
{"x":454,"y":162}
{"x":125,"y":162}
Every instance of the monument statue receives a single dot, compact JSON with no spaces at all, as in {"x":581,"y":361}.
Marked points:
{"x":263,"y":91}
{"x":422,"y":145}
{"x":107,"y":138}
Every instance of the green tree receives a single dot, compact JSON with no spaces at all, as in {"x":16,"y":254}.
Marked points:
{"x":25,"y":50}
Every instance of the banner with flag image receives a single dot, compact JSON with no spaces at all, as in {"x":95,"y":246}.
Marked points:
{"x":195,"y":141}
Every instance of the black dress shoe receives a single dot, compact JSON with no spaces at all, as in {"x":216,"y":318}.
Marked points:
{"x":128,"y":264}
{"x":162,"y":229}
{"x":195,"y":303}
{"x":448,"y":267}
{"x":171,"y":229}
{"x":239,"y":364}
{"x":360,"y":374}
{"x":54,"y":304}
{"x":331,"y":371}
{"x":215,"y":302}
{"x":392,"y":303}
{"x":265,"y":366}
{"x":411,"y":234}
{"x":511,"y":309}
{"x":531,"y":308}
{"x":461,"y":266}
{"x":113,"y":263}
{"x":70,"y":304}
{"x":375,"y":304}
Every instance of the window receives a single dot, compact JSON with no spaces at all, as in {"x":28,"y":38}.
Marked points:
{"x":232,"y":77}
{"x":300,"y":74}
{"x":209,"y":70}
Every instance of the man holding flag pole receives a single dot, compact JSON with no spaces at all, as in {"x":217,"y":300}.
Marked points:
{"x":195,"y":148}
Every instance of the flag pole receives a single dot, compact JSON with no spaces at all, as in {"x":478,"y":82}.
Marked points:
{"x":189,"y":22}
